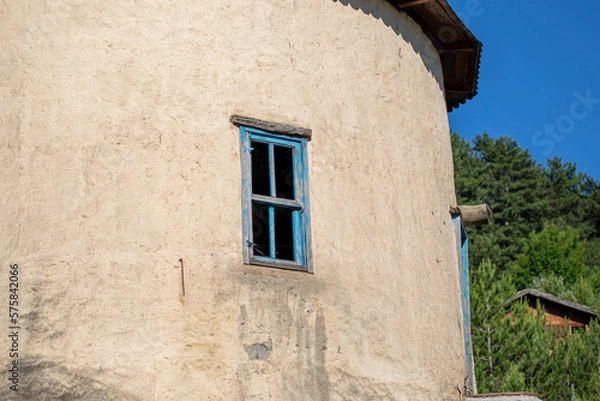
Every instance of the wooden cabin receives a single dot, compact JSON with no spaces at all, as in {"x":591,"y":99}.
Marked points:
{"x":561,"y":314}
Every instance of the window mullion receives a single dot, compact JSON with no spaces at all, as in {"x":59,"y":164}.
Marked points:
{"x":272,"y":193}
{"x":271,"y":232}
{"x":273,"y":188}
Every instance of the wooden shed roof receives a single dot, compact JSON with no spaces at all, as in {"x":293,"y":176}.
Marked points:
{"x":458,"y":48}
{"x":548,"y":298}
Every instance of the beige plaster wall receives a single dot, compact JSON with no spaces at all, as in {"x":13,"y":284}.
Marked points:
{"x":118,"y":159}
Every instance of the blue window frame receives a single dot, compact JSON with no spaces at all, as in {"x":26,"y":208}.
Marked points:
{"x":275,"y":199}
{"x":462,"y":245}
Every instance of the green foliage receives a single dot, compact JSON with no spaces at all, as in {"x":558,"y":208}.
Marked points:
{"x":510,"y":345}
{"x":555,"y":285}
{"x":487,"y":312}
{"x":585,"y":293}
{"x":466,"y":167}
{"x":513,"y":381}
{"x":572,"y":371}
{"x":511,"y":185}
{"x":553,"y":251}
{"x":524,"y":196}
{"x":503,"y":175}
{"x":567,"y":191}
{"x":515,"y":351}
{"x":592,"y":253}
{"x":592,"y":205}
{"x":546,"y":234}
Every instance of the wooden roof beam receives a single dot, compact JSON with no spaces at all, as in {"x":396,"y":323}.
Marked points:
{"x":456,"y":93}
{"x":457,"y":50}
{"x":412,"y":3}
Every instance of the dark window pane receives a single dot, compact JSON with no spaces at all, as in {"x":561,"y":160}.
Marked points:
{"x":284,"y":172}
{"x":284,"y":234}
{"x":260,"y":168}
{"x":260,"y":229}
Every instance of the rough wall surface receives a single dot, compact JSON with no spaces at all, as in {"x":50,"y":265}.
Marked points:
{"x":118,"y":159}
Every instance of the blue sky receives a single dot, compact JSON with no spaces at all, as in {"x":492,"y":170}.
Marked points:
{"x":539,"y":80}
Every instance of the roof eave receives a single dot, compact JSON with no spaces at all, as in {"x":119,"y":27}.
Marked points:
{"x":458,"y":48}
{"x":552,"y":298}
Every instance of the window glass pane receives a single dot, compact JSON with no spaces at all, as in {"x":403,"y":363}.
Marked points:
{"x":284,"y":234}
{"x":260,"y":229}
{"x":260,"y":168}
{"x":284,"y":172}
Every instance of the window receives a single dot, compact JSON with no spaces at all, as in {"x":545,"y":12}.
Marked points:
{"x":275,"y":194}
{"x":577,"y":328}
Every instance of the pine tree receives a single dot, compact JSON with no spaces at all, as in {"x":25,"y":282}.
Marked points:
{"x":572,"y":371}
{"x":583,"y":365}
{"x":585,"y":293}
{"x":487,"y":312}
{"x":467,"y":168}
{"x":503,"y":175}
{"x":566,"y":195}
{"x":591,"y":191}
{"x":554,"y":383}
{"x":553,"y":251}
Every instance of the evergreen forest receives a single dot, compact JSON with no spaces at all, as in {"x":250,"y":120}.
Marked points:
{"x":545,"y":235}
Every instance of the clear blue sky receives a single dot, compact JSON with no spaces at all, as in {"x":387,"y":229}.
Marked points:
{"x":539,"y":80}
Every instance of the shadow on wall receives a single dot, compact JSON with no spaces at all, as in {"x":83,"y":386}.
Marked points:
{"x":384,"y":11}
{"x":44,"y":380}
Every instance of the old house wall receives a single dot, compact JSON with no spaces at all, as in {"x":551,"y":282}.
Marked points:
{"x":119,"y":160}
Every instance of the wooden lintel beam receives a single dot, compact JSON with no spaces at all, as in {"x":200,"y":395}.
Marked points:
{"x":270,"y":126}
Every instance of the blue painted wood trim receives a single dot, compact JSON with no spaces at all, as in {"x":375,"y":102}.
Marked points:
{"x":246,"y":194}
{"x":301,"y":214}
{"x":272,"y":247}
{"x":305,"y":212}
{"x":281,"y":202}
{"x":278,"y":263}
{"x":467,"y":312}
{"x":273,"y":184}
{"x":298,"y":222}
{"x":463,"y":249}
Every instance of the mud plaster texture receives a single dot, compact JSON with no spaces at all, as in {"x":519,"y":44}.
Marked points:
{"x":118,"y":159}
